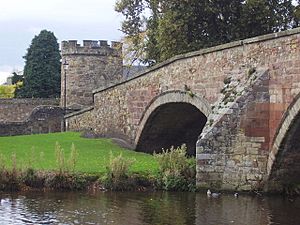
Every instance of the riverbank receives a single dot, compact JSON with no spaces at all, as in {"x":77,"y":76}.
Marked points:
{"x":66,"y":161}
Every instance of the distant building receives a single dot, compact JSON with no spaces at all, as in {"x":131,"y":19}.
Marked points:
{"x":8,"y":81}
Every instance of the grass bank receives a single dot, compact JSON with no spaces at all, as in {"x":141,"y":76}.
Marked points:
{"x":93,"y":154}
{"x":66,"y":161}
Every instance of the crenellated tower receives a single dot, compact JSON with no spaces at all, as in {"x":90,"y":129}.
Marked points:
{"x":93,"y":65}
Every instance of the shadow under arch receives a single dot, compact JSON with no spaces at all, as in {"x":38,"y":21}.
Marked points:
{"x":171,"y":119}
{"x":283,"y":169}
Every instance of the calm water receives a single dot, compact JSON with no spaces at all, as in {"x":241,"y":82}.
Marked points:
{"x":145,"y":208}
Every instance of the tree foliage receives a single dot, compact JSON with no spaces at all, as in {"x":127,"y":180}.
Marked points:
{"x":16,"y":78}
{"x":172,"y":27}
{"x":8,"y":91}
{"x":42,"y":68}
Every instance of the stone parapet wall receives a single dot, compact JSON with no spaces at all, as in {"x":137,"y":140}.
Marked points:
{"x":18,"y":110}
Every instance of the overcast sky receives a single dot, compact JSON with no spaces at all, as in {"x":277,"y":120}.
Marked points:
{"x":20,"y":20}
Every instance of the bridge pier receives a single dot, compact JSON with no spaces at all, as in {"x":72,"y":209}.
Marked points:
{"x":232,"y":152}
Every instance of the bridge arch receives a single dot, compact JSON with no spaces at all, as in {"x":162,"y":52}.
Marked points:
{"x":283,"y":167}
{"x":171,"y":119}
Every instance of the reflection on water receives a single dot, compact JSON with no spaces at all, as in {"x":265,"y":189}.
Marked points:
{"x":145,"y":208}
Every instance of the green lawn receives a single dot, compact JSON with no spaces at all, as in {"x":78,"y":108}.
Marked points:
{"x":93,"y":154}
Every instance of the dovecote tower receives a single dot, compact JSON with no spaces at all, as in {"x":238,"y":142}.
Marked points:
{"x":91,"y":66}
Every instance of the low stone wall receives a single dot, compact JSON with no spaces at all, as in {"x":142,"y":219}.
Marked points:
{"x":30,"y":116}
{"x":43,"y":119}
{"x":18,"y":110}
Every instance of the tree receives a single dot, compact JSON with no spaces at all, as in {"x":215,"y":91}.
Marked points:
{"x":16,"y":78}
{"x":7,"y":91}
{"x":177,"y":26}
{"x":42,"y":68}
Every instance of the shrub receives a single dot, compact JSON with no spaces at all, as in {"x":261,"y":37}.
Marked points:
{"x":177,"y":171}
{"x":172,"y":160}
{"x":31,"y":178}
{"x":116,"y":177}
{"x":66,"y":181}
{"x":73,"y":158}
{"x":9,"y":177}
{"x":64,"y":165}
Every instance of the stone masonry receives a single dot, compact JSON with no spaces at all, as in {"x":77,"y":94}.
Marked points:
{"x":17,"y":110}
{"x":232,"y":151}
{"x":43,"y":119}
{"x":93,"y":65}
{"x":30,"y":116}
{"x":242,"y":89}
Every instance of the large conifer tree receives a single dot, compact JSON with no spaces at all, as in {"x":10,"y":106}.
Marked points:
{"x":42,"y":68}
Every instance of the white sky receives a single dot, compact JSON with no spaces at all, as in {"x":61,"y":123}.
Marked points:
{"x":20,"y":20}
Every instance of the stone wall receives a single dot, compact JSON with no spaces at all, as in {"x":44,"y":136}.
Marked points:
{"x":93,"y":65}
{"x":43,"y":119}
{"x":30,"y":116}
{"x":17,"y":110}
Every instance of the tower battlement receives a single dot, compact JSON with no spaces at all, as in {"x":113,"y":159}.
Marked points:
{"x":101,"y":47}
{"x":92,"y":65}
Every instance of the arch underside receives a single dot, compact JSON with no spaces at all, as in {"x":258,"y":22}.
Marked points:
{"x":286,"y":167}
{"x":172,"y":124}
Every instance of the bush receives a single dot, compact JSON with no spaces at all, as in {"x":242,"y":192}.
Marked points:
{"x":116,"y":177}
{"x":33,"y":179}
{"x":9,"y":177}
{"x":177,"y":171}
{"x":66,"y":182}
{"x":65,"y":165}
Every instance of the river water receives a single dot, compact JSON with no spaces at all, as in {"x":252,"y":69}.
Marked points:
{"x":146,"y":208}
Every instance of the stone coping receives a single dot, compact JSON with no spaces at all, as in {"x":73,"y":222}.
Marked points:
{"x":42,"y":101}
{"x":87,"y":109}
{"x":229,"y":45}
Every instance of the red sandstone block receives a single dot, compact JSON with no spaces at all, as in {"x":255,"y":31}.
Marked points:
{"x":256,"y":132}
{"x":274,"y":124}
{"x":277,"y":107}
{"x":277,"y":115}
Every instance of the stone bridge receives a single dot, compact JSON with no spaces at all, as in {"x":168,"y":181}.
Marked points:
{"x":236,"y":106}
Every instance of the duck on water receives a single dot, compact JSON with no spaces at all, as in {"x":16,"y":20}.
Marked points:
{"x":212,"y":194}
{"x":216,"y":195}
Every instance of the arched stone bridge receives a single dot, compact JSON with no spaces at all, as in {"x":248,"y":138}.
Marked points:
{"x":236,"y":106}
